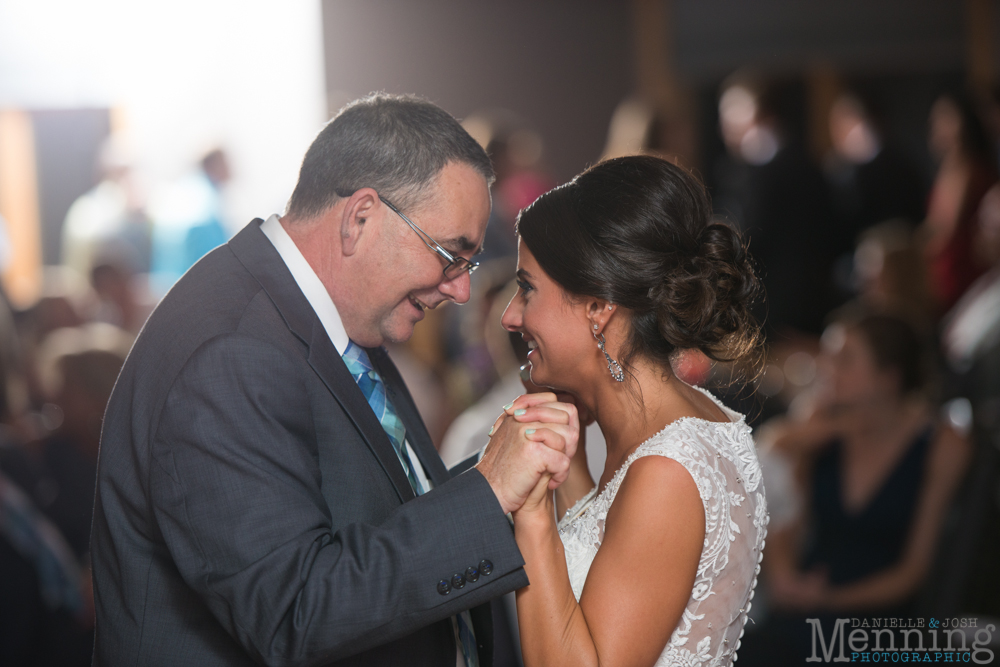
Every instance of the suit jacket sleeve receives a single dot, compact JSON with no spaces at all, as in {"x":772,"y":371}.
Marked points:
{"x":466,"y":464}
{"x":235,"y":487}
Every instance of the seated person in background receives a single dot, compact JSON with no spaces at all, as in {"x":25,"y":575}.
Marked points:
{"x":970,"y":339}
{"x":77,"y":367}
{"x":121,"y":299}
{"x":890,"y":274}
{"x":877,"y":471}
{"x":45,"y":616}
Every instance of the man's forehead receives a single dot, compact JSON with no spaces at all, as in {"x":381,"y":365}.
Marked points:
{"x":457,"y":210}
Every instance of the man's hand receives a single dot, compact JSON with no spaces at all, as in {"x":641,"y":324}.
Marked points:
{"x":535,"y":436}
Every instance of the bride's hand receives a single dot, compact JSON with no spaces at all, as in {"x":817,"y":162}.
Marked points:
{"x":554,"y":422}
{"x":546,"y":408}
{"x":539,"y":501}
{"x":585,"y":416}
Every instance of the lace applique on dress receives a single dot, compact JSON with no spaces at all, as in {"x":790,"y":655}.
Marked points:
{"x":722,"y":460}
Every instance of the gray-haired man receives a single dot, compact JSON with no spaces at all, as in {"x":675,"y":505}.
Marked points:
{"x":267,"y":492}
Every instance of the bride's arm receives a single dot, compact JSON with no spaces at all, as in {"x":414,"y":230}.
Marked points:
{"x":579,"y":483}
{"x":638,"y":584}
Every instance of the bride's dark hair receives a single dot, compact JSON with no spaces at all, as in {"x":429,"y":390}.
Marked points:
{"x":638,"y":232}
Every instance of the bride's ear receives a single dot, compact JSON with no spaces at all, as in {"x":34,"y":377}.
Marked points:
{"x":599,"y":312}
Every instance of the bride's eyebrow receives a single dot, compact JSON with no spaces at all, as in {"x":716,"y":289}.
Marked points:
{"x":523,"y":275}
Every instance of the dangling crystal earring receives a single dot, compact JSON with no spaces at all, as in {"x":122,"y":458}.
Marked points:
{"x":616,"y":370}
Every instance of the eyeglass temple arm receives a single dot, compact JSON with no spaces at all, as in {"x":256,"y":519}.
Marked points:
{"x":424,"y":236}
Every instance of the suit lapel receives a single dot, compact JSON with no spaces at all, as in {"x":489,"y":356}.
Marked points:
{"x":258,"y":256}
{"x":416,"y":432}
{"x":330,"y":367}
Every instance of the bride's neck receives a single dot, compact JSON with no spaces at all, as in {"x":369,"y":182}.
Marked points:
{"x":631,"y":412}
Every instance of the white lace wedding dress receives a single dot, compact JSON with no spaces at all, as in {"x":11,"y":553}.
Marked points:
{"x":721,"y":458}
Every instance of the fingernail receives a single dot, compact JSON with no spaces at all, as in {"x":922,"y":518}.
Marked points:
{"x":529,"y":431}
{"x":509,"y":406}
{"x":492,"y":428}
{"x":518,"y":413}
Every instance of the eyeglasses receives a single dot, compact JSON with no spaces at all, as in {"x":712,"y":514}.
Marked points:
{"x":456,"y":266}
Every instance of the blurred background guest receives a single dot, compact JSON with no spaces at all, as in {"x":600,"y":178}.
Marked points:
{"x":45,"y":616}
{"x":120,"y":295}
{"x":78,"y":367}
{"x":966,"y":170}
{"x":110,"y":218}
{"x":768,"y":187}
{"x":889,"y":272}
{"x":971,"y":348}
{"x":870,"y":182}
{"x":48,"y":455}
{"x":877,"y":469}
{"x":189,"y":219}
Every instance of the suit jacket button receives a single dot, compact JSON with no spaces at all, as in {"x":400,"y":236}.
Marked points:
{"x":444,"y":587}
{"x":471,"y":574}
{"x":486,"y":567}
{"x":458,"y":581}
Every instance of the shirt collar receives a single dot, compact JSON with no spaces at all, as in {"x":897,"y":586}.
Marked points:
{"x":307,"y":280}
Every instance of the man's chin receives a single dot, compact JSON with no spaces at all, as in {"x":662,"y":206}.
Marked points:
{"x":398,"y":330}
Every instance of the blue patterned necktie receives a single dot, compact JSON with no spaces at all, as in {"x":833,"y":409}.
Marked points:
{"x":371,"y":385}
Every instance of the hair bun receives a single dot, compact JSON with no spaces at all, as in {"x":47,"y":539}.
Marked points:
{"x":704,"y":300}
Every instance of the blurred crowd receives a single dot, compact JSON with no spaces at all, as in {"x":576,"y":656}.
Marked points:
{"x":877,"y":414}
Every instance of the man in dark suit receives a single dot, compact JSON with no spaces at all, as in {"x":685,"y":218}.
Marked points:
{"x":267,"y":492}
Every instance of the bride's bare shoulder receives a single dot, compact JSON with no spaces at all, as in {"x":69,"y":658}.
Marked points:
{"x":657,"y":482}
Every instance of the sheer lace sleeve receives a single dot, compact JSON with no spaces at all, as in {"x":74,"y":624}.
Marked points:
{"x":722,"y":460}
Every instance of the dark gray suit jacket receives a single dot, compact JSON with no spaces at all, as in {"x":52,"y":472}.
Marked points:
{"x":250,"y":508}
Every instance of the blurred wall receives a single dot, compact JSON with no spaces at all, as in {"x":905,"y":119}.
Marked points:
{"x":714,"y":37}
{"x":67,"y":143}
{"x":180,"y":79}
{"x":562,"y":65}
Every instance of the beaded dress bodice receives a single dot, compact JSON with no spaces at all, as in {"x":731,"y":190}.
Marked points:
{"x":722,"y":460}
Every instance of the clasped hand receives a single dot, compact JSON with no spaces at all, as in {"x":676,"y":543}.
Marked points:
{"x":530,"y":449}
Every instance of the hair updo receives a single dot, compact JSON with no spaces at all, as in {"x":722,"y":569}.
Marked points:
{"x":638,"y":232}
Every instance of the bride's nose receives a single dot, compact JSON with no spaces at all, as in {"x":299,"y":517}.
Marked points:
{"x":512,"y":319}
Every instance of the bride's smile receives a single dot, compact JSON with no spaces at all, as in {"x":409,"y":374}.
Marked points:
{"x":563,"y":351}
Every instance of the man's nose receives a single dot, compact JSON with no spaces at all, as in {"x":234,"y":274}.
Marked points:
{"x":458,"y":289}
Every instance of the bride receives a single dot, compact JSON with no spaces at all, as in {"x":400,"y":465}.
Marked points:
{"x":655,"y":563}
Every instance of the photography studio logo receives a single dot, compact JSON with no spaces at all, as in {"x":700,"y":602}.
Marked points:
{"x":880,"y":640}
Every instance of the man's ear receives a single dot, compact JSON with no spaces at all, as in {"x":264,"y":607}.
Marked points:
{"x":354,"y":218}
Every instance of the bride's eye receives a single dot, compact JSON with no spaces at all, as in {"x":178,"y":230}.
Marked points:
{"x":525,"y":287}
